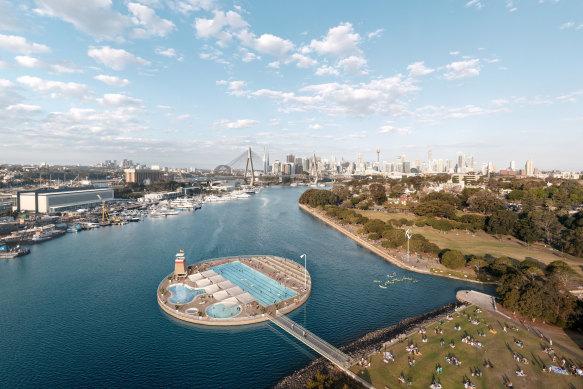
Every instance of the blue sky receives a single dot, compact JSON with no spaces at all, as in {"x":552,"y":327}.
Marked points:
{"x":194,"y":82}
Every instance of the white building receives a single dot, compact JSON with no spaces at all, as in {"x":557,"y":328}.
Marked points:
{"x":56,"y":200}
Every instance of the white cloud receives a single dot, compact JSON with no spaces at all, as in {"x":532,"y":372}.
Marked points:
{"x":249,"y":56}
{"x":20,"y":45}
{"x":95,"y":17}
{"x":169,"y":52}
{"x":112,"y":80}
{"x":236,"y":88}
{"x":499,"y":102}
{"x":222,"y":26}
{"x":570,"y":97}
{"x":24,"y":108}
{"x":273,"y":65}
{"x":340,"y":41}
{"x":188,"y":6}
{"x":31,"y":62}
{"x":566,"y":25}
{"x":303,"y":61}
{"x":510,"y":6}
{"x":118,"y":100}
{"x":475,"y":3}
{"x":68,"y":89}
{"x":417,"y":69}
{"x":116,"y":59}
{"x":26,"y":61}
{"x":182,"y":117}
{"x":375,"y":34}
{"x":387,"y":129}
{"x":454,"y":53}
{"x":165,"y":107}
{"x":353,"y":65}
{"x":462,"y":69}
{"x":327,"y":70}
{"x":315,"y":127}
{"x":273,"y":45}
{"x":378,"y":96}
{"x":237,"y":124}
{"x":150,"y":23}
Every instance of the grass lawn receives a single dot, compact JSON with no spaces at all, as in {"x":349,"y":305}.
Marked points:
{"x":497,"y":348}
{"x":481,"y":243}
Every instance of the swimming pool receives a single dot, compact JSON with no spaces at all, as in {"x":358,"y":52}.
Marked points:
{"x":182,"y":294}
{"x":263,"y":288}
{"x":220,"y":310}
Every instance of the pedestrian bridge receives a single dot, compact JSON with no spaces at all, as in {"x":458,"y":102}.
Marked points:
{"x":319,"y":345}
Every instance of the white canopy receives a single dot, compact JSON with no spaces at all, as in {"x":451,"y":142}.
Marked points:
{"x":230,"y":302}
{"x":245,"y":298}
{"x":217,"y":279}
{"x":202,"y":283}
{"x":226,"y":284}
{"x":235,"y":290}
{"x":211,"y":289}
{"x":209,"y":273}
{"x":221,"y":295}
{"x":195,"y":277}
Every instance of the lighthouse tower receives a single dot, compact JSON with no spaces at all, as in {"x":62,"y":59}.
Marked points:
{"x":180,"y":264}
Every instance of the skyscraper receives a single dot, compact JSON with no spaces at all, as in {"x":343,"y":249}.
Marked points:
{"x":266,"y":159}
{"x":529,"y":167}
{"x":512,"y":165}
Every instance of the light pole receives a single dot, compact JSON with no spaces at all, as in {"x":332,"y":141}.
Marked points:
{"x":305,"y":271}
{"x":408,"y":234}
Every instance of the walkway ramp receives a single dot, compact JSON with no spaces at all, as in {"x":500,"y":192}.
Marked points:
{"x":314,"y":342}
{"x":319,"y":345}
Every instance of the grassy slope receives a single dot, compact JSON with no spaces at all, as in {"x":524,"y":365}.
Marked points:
{"x":481,"y":243}
{"x":497,"y":348}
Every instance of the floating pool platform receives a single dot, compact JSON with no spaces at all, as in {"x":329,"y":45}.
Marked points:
{"x":234,"y":290}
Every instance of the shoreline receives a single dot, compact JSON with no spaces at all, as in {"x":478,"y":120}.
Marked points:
{"x":378,"y":251}
{"x":367,"y":344}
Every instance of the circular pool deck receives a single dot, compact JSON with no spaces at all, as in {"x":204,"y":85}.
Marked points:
{"x":283,"y":274}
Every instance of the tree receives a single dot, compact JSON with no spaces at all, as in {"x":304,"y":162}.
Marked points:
{"x":378,"y":193}
{"x":574,"y":242}
{"x":548,"y":224}
{"x":437,"y":208}
{"x":318,"y":197}
{"x":529,"y":202}
{"x":341,"y":191}
{"x":394,"y":237}
{"x":453,"y":259}
{"x":486,"y":202}
{"x":501,"y":222}
{"x":526,"y":229}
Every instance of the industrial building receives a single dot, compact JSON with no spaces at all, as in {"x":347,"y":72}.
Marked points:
{"x":57,"y":200}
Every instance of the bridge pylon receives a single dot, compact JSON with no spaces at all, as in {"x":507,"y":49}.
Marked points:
{"x":250,"y":162}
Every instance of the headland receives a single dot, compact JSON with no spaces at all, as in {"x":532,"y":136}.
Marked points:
{"x":417,"y":266}
{"x":233,"y":290}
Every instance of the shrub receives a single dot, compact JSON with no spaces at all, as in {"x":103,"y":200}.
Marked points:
{"x":374,"y":236}
{"x":453,"y":259}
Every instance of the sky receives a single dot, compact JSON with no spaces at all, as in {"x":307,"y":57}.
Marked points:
{"x":193,"y":83}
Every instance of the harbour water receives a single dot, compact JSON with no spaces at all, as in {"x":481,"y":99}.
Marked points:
{"x":81,"y":311}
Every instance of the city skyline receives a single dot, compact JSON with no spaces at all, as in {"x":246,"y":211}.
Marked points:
{"x":194,"y":82}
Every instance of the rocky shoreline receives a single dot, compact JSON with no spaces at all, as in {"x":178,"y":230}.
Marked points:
{"x":366,"y":345}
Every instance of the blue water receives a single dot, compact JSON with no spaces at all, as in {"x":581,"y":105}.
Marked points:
{"x":81,"y":310}
{"x":182,"y":294}
{"x":263,"y":288}
{"x":220,"y":310}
